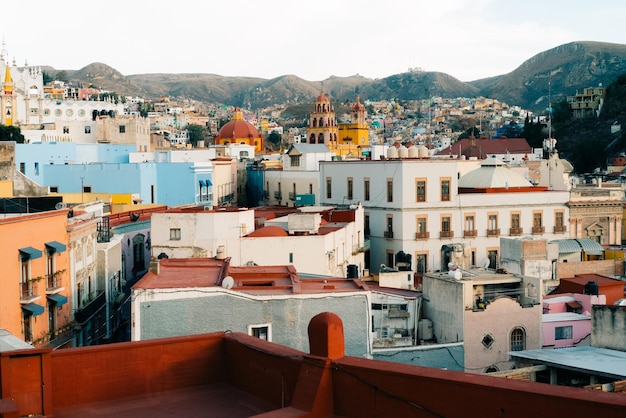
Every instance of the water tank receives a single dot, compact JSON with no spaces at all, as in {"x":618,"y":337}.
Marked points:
{"x":353,"y":271}
{"x":392,"y":152}
{"x":403,"y":152}
{"x":422,"y":151}
{"x":221,"y":252}
{"x":425,"y":329}
{"x":413,"y":152}
{"x":591,"y":288}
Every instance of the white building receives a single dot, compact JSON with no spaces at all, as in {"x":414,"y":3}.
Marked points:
{"x":424,"y":207}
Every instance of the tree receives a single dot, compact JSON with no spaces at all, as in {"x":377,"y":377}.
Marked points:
{"x":11,"y":133}
{"x":274,"y":139}
{"x":196,"y":133}
{"x":472,"y":131}
{"x":533,"y":132}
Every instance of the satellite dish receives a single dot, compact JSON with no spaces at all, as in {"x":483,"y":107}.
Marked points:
{"x":228,"y":282}
{"x":485,"y":262}
{"x":60,"y":205}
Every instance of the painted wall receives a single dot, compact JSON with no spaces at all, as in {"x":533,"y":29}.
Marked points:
{"x":173,"y":312}
{"x":32,"y":231}
{"x":581,"y":329}
{"x":609,"y":327}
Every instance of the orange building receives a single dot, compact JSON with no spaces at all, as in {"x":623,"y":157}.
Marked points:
{"x":322,"y":128}
{"x":239,"y":131}
{"x":34,"y":285}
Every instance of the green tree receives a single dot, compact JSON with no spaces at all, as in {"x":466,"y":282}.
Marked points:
{"x":274,"y":139}
{"x":196,"y":133}
{"x":533,"y":132}
{"x":61,"y":76}
{"x":11,"y":133}
{"x":471,"y":131}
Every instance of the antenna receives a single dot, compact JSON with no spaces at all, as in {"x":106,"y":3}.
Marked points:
{"x":228,"y":282}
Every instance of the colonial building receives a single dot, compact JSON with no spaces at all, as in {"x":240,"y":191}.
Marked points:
{"x":425,"y":207}
{"x":322,"y":127}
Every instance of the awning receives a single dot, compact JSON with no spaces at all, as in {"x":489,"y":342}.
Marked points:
{"x":574,"y":305}
{"x":208,"y":183}
{"x":30,"y":252}
{"x":577,"y":245}
{"x":58,"y":298}
{"x":55,"y":246}
{"x":33,"y":308}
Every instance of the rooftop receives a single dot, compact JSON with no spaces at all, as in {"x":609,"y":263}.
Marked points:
{"x":237,"y":375}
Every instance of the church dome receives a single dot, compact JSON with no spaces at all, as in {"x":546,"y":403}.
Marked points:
{"x":237,"y":128}
{"x":322,"y":98}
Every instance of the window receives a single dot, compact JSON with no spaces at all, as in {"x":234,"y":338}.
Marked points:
{"x":122,"y":129}
{"x":515,"y":220}
{"x":563,"y":333}
{"x":295,"y":160}
{"x":445,"y":190}
{"x":66,"y":129}
{"x":262,"y":331}
{"x":366,"y":226}
{"x":366,"y":189}
{"x":87,"y":129}
{"x":86,"y":189}
{"x":492,"y":225}
{"x":538,"y":222}
{"x":54,"y":189}
{"x":470,"y":229}
{"x":420,"y":186}
{"x":518,"y":339}
{"x":27,"y":320}
{"x":493,"y":259}
{"x":389,"y":190}
{"x":36,"y":169}
{"x":389,"y":231}
{"x":139,"y":259}
{"x":421,"y":233}
{"x":488,"y":341}
{"x":23,"y":168}
{"x":26,"y":282}
{"x":175,"y":234}
{"x":558,"y":219}
{"x":421,"y":263}
{"x":446,"y":231}
{"x":350,"y":188}
{"x":329,"y":188}
{"x":310,"y":188}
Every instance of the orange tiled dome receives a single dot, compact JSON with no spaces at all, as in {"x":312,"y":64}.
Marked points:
{"x":237,"y":128}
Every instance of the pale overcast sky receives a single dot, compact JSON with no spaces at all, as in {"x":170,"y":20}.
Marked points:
{"x":313,"y":40}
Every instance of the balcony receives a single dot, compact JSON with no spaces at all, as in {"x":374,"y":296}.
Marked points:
{"x":445,"y":198}
{"x":516,"y":231}
{"x":292,"y":196}
{"x":266,"y":194}
{"x":28,"y":292}
{"x":446,"y":234}
{"x":388,"y":234}
{"x":422,"y":235}
{"x":538,"y":229}
{"x":469,"y":234}
{"x":493,"y":232}
{"x":54,"y":283}
{"x":397,"y":313}
{"x":559,"y":229}
{"x":278,"y":195}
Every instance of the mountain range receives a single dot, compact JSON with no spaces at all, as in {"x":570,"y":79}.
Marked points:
{"x":546,"y":77}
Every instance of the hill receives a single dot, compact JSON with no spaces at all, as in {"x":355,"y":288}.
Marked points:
{"x":557,"y":72}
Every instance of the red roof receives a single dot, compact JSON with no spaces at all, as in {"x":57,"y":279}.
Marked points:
{"x":237,"y":129}
{"x":473,"y":147}
{"x":269,"y":231}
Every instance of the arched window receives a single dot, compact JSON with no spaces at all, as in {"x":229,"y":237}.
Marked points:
{"x":320,"y":139}
{"x":315,"y":122}
{"x":518,"y":339}
{"x":312,"y":141}
{"x":139,"y":258}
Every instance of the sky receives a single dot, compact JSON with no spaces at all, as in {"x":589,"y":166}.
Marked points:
{"x":468,"y":40}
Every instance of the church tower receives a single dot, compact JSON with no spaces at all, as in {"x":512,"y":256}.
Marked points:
{"x":355,"y":134}
{"x":322,"y":128}
{"x":8,"y":100}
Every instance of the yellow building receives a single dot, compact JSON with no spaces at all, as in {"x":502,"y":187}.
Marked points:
{"x":353,"y":135}
{"x":239,"y":131}
{"x":8,"y":103}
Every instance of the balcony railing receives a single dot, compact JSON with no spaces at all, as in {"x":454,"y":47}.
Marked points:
{"x":278,"y":195}
{"x":388,"y":234}
{"x":516,"y":231}
{"x":559,"y":229}
{"x":292,"y":196}
{"x":471,"y":233}
{"x":493,"y":232}
{"x":446,"y":234}
{"x":445,"y":197}
{"x":539,"y":229}
{"x":422,"y":235}
{"x":266,"y":194}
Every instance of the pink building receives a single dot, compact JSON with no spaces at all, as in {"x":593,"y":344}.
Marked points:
{"x":566,"y":320}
